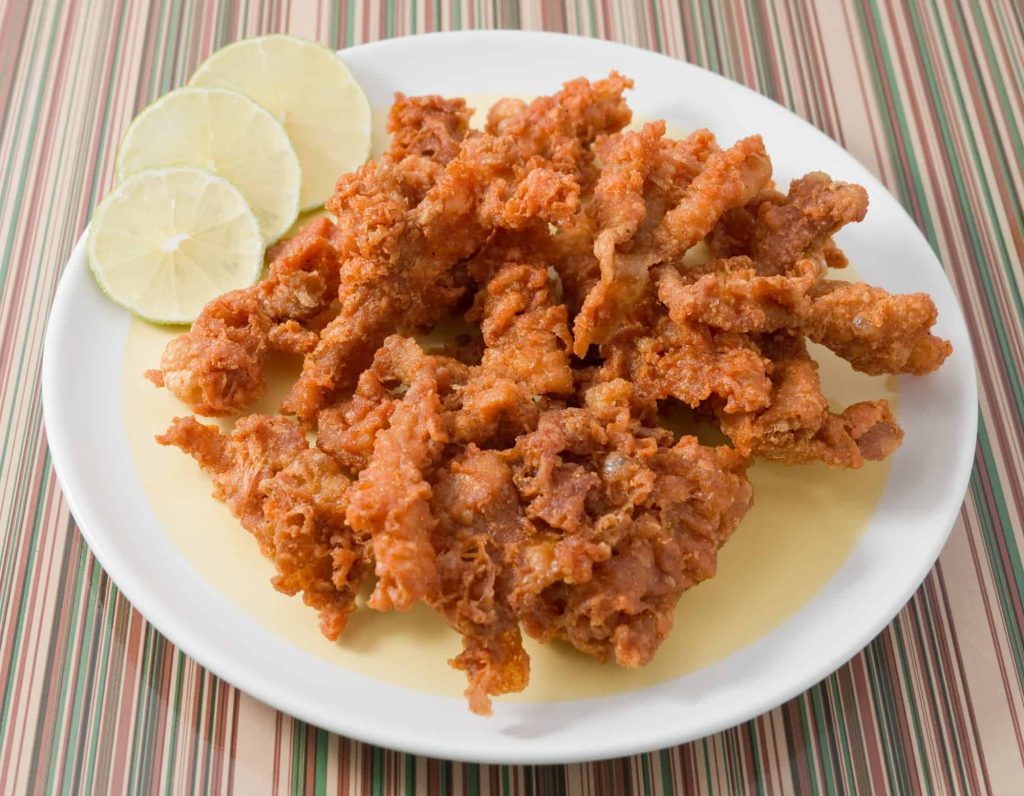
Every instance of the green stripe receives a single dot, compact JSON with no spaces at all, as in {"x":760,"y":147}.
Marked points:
{"x":666,"y":771}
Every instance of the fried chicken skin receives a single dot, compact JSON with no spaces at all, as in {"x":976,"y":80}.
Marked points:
{"x":398,"y":259}
{"x":692,"y":363}
{"x":797,"y":426}
{"x":398,"y":255}
{"x":874,"y":331}
{"x":730,"y":295}
{"x":730,"y":178}
{"x":619,"y":209}
{"x":430,"y":127}
{"x":777,"y":231}
{"x":390,"y":500}
{"x":622,"y":520}
{"x":217,"y":366}
{"x":526,"y":358}
{"x":633,"y":234}
{"x":480,"y":525}
{"x":560,"y":129}
{"x":426,"y":134}
{"x":293,"y":499}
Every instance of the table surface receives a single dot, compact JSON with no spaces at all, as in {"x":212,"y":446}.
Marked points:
{"x":929,"y":95}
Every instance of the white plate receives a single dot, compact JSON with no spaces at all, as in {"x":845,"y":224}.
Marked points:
{"x":82,"y":399}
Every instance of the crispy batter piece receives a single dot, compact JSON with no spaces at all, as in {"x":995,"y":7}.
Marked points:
{"x":631,"y":239}
{"x":390,"y":501}
{"x":623,"y":521}
{"x":778,"y":231}
{"x":526,"y":359}
{"x":479,"y":523}
{"x":572,"y":251}
{"x":430,"y":127}
{"x":874,"y":331}
{"x":732,"y":296}
{"x":426,"y":134}
{"x":730,"y":179}
{"x":560,"y":129}
{"x":348,"y":430}
{"x":217,"y":366}
{"x":619,"y":208}
{"x":398,"y":259}
{"x":292,"y":499}
{"x":691,"y":363}
{"x":797,"y":426}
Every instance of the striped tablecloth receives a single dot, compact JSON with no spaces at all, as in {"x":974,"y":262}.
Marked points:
{"x":928,"y":94}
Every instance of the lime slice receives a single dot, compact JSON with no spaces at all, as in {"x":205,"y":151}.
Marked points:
{"x":166,"y":241}
{"x":311,"y":92}
{"x":225,"y":132}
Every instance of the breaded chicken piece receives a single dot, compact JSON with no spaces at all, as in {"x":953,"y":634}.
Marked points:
{"x":430,"y":126}
{"x":623,"y":521}
{"x":572,"y":251}
{"x":526,"y":358}
{"x":217,"y":366}
{"x":732,"y":296}
{"x":568,"y":249}
{"x":560,"y":129}
{"x":730,"y":178}
{"x":479,"y":523}
{"x":816,"y":208}
{"x":398,"y":259}
{"x":634,"y":234}
{"x":691,"y":363}
{"x":876,"y":332}
{"x":778,"y":231}
{"x":398,"y":255}
{"x":797,"y":427}
{"x":426,"y":134}
{"x":390,"y":500}
{"x":619,"y":209}
{"x":292,"y":499}
{"x":564,"y":131}
{"x":347,"y":430}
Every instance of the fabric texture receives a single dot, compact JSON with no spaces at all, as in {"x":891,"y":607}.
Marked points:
{"x":929,"y":94}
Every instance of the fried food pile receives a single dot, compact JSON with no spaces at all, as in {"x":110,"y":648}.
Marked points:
{"x":519,"y":480}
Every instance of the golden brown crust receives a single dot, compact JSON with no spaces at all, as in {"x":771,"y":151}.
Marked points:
{"x":292,"y":499}
{"x":797,"y":427}
{"x":479,"y":525}
{"x":776,"y":231}
{"x":390,"y":501}
{"x":398,"y":259}
{"x":622,"y":521}
{"x":875,"y":331}
{"x":525,"y":361}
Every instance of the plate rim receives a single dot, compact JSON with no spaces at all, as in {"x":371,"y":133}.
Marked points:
{"x":134,"y":588}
